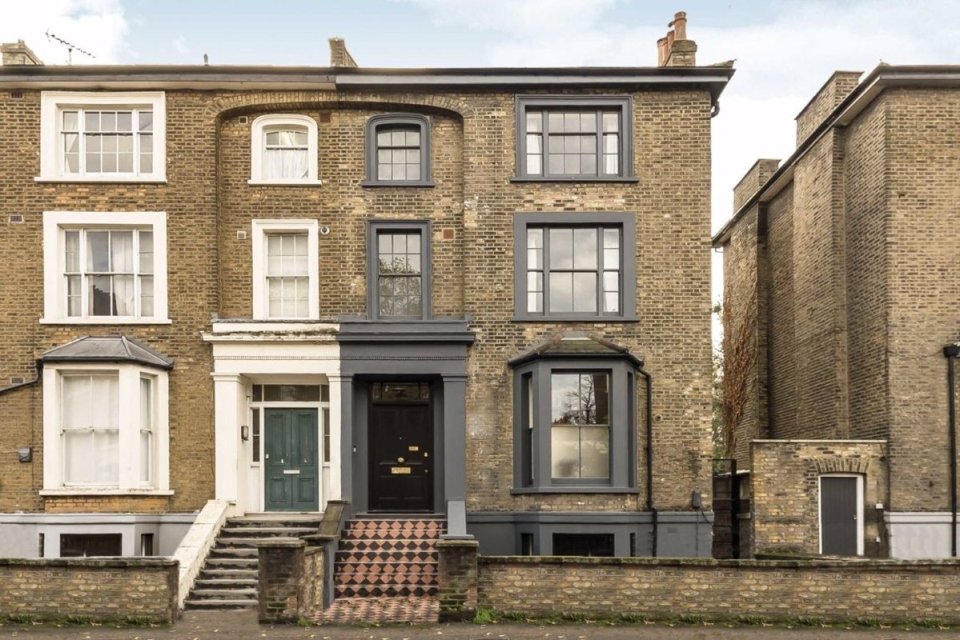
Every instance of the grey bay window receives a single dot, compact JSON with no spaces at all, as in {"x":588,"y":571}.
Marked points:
{"x":399,"y":273}
{"x":574,"y":138}
{"x":575,"y":266}
{"x":574,"y":423}
{"x":398,"y":151}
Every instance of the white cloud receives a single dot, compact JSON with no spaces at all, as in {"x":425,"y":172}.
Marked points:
{"x":180,"y":45}
{"x":98,"y":26}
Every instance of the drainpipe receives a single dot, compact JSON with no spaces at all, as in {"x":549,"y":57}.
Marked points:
{"x":649,"y":456}
{"x":950,"y":352}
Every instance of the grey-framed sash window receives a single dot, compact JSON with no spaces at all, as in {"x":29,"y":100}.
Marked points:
{"x":574,"y":138}
{"x":575,"y":266}
{"x":399,"y":274}
{"x":575,"y":428}
{"x":398,"y":151}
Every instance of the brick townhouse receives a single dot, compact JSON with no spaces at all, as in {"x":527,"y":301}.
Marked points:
{"x":475,"y":293}
{"x":842,"y":281}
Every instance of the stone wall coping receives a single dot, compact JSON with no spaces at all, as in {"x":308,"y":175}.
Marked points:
{"x":858,"y":564}
{"x":91,"y":563}
{"x":814,"y":441}
{"x":455,"y":543}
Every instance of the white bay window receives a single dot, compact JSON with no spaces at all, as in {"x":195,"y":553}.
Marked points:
{"x":105,"y":424}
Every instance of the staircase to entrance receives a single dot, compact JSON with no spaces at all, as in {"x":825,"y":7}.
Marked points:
{"x":228,"y":579}
{"x":386,"y":570}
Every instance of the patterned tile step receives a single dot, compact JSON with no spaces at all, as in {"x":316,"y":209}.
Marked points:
{"x":386,"y":556}
{"x":381,"y":611}
{"x":393,"y":530}
{"x":399,"y":570}
{"x":408,"y":544}
{"x":384,"y":591}
{"x":397,"y":580}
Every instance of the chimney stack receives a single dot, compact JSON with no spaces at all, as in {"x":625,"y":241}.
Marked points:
{"x":674,"y":50}
{"x":339,"y":56}
{"x":18,"y":53}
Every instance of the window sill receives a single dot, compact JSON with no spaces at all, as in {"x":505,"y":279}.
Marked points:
{"x":105,"y":321}
{"x":402,"y":185}
{"x":573,"y":318}
{"x":103,"y":179}
{"x":625,"y":179}
{"x":95,"y":491}
{"x":285,"y":183}
{"x":569,"y":489}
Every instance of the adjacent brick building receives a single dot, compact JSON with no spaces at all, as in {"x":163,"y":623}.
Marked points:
{"x":441,"y":290}
{"x":841,"y":285}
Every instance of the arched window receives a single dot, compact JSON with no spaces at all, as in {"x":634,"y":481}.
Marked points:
{"x":398,"y":151}
{"x":283,"y":150}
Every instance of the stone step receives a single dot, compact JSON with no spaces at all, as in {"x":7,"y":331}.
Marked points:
{"x":266,"y":532}
{"x":251,"y":553}
{"x":231,"y":562}
{"x":221,"y":605}
{"x":224,"y":594}
{"x":286,"y":520}
{"x":225,"y":583}
{"x":248,"y":542}
{"x":209,"y":573}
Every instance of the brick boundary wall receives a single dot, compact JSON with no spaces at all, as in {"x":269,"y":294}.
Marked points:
{"x":94,"y":589}
{"x":457,"y":576}
{"x":291,"y":580}
{"x":827,"y":590}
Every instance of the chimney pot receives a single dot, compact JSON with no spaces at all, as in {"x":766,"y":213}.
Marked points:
{"x":679,"y":25}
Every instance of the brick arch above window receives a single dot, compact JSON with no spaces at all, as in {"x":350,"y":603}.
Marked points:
{"x":398,"y":151}
{"x":283,"y":150}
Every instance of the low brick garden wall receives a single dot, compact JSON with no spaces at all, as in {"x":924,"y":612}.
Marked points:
{"x":881,"y":590}
{"x":104,"y":589}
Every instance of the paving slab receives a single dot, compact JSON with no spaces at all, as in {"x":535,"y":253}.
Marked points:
{"x":242,"y":625}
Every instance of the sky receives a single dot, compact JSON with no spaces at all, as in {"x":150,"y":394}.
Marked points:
{"x":783,"y":50}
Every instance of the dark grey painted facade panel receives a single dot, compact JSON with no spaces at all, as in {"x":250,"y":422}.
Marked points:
{"x":680,"y":534}
{"x":378,"y":351}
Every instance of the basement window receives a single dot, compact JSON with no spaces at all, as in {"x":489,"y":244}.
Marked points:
{"x":85,"y":545}
{"x":597,"y":545}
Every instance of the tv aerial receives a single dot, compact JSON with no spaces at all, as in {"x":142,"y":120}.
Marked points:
{"x":70,"y":47}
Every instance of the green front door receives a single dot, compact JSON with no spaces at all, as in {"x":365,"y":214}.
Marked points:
{"x":292,"y":470}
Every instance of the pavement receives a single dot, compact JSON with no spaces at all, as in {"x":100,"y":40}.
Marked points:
{"x":201,"y":625}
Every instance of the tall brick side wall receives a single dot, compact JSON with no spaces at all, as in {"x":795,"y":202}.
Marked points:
{"x":888,"y":591}
{"x":99,"y":589}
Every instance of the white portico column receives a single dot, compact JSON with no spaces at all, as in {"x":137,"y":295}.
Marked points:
{"x":229,"y":404}
{"x":338,"y":385}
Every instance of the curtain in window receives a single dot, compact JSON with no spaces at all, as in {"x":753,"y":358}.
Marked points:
{"x":286,"y":155}
{"x":91,"y":427}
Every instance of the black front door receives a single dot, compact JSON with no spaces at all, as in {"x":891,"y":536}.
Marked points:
{"x":839,"y":529}
{"x":291,"y":468}
{"x":401,"y":446}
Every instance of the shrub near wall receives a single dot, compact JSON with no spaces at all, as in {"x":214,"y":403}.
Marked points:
{"x":104,"y":589}
{"x":885,"y":590}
